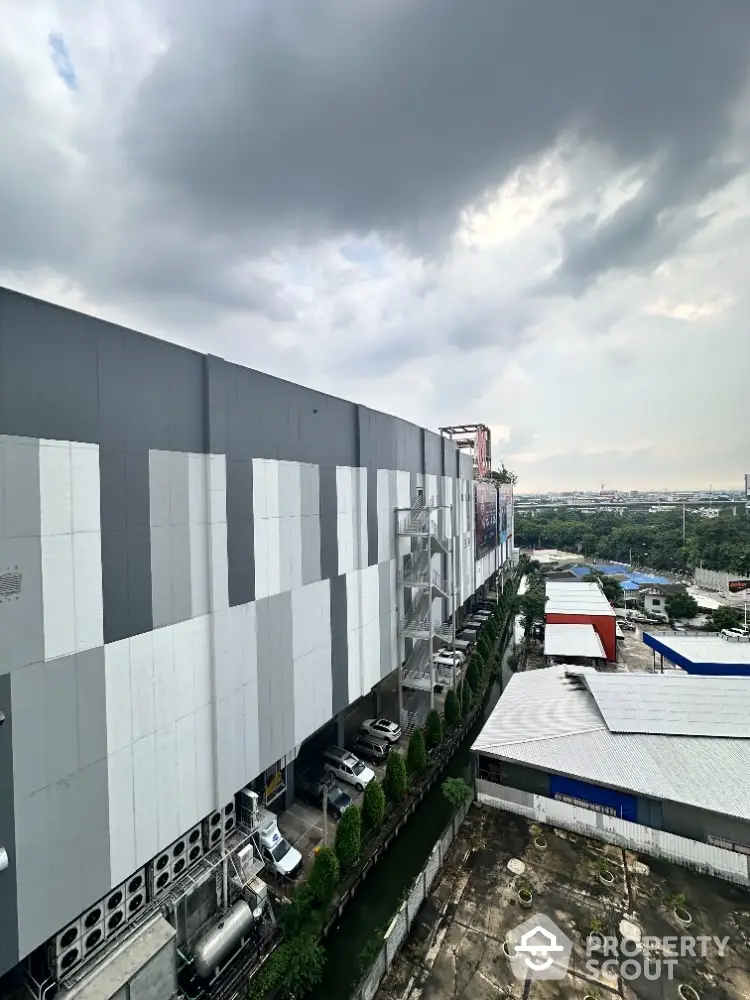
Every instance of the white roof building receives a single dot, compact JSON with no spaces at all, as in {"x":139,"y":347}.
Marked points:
{"x":573,"y":640}
{"x":676,"y":737}
{"x":576,"y":597}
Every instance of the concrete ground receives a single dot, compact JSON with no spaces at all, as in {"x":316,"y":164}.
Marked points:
{"x":455,"y":949}
{"x":302,"y":824}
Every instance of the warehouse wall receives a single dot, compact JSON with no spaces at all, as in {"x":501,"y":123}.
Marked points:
{"x":603,"y":624}
{"x":208,"y":564}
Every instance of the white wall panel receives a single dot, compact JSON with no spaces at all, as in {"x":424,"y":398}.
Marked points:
{"x":260,"y":506}
{"x":346,"y":541}
{"x":252,"y":739}
{"x":167,"y":784}
{"x":218,"y":565}
{"x":199,"y":569}
{"x":187,"y":785}
{"x":141,"y":649}
{"x":58,"y":595}
{"x":273,"y":555}
{"x":198,"y":488}
{"x":55,"y":488}
{"x":204,"y":760}
{"x":84,"y":468}
{"x":145,"y":805}
{"x":118,"y":690}
{"x":201,"y":633}
{"x":165,"y":681}
{"x":87,"y":590}
{"x":272,"y":489}
{"x":260,"y":534}
{"x":360,"y":479}
{"x":121,"y":815}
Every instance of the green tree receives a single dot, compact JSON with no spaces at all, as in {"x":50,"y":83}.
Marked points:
{"x":433,"y":732}
{"x":473,"y":675}
{"x":533,"y":604}
{"x":304,"y":960}
{"x":452,"y":709}
{"x":349,"y":838}
{"x":325,"y":873}
{"x":373,"y":806}
{"x":457,"y":792}
{"x":416,"y":756}
{"x":724,"y":617}
{"x":396,"y":780}
{"x":465,"y":698}
{"x":680,"y":605}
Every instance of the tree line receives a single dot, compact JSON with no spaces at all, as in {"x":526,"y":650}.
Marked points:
{"x":645,"y":539}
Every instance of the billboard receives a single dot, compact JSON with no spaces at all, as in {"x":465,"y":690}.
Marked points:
{"x":504,"y":511}
{"x":485,"y":517}
{"x":738,"y":586}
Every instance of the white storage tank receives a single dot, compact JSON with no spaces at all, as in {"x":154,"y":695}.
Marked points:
{"x":222,"y":939}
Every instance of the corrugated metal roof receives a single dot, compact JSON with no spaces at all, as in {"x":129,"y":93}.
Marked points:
{"x":544,"y":721}
{"x":678,"y":705}
{"x":629,"y":585}
{"x":576,"y":597}
{"x":573,"y":640}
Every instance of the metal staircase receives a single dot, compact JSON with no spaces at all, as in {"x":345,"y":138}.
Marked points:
{"x":420,"y":583}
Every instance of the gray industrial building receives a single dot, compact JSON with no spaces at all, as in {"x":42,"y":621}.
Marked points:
{"x":656,"y":763}
{"x":201,"y":568}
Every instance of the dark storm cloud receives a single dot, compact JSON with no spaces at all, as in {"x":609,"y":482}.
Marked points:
{"x":328,"y":115}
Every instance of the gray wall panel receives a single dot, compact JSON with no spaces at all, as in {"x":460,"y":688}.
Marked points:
{"x":433,"y":453}
{"x":386,"y":619}
{"x":311,"y":549}
{"x":92,"y":706}
{"x":140,"y":617}
{"x":241,"y":559}
{"x":91,"y":800}
{"x":9,"y":953}
{"x":310,"y":489}
{"x":273,"y":617}
{"x":19,"y":485}
{"x":372,"y":517}
{"x":329,"y":548}
{"x":180,"y":572}
{"x":21,"y":616}
{"x":339,"y":645}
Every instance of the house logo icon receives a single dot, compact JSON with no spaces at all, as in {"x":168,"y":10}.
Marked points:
{"x":539,"y":949}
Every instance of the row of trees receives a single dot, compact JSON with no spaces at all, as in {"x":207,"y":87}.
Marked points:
{"x":654,"y":540}
{"x":297,"y":964}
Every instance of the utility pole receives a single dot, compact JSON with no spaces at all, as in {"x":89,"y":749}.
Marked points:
{"x":325,"y":814}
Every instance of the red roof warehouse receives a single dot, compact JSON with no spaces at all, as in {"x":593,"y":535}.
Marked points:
{"x":576,"y":603}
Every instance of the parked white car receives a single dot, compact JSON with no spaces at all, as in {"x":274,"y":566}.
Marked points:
{"x":384,"y":729}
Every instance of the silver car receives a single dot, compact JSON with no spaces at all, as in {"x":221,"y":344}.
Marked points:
{"x":383,"y":729}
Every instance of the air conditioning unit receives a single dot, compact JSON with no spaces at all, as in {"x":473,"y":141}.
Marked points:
{"x":113,"y":921}
{"x":229,"y":809}
{"x":136,"y":884}
{"x":249,"y":807}
{"x":93,"y":938}
{"x":245,"y":859}
{"x":67,"y":960}
{"x":259,"y":889}
{"x":179,"y":867}
{"x":179,"y":849}
{"x":114,"y":900}
{"x":212,"y":830}
{"x":70,"y":935}
{"x":230,"y":823}
{"x":194,"y":840}
{"x":135,"y":903}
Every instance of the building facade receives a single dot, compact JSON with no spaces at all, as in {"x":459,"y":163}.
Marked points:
{"x":198,"y":570}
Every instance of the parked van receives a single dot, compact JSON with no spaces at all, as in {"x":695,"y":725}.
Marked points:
{"x":283,"y":859}
{"x":344,"y":765}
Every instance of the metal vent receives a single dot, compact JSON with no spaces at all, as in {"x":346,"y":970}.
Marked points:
{"x":10,"y":585}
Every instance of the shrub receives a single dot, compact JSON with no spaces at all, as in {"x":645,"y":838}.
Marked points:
{"x":473,"y":675}
{"x":349,"y":838}
{"x":304,"y":959}
{"x":396,"y":780}
{"x":416,"y":759}
{"x":452,"y":709}
{"x":484,"y":648}
{"x":457,"y":792}
{"x":373,"y":806}
{"x":325,"y":874}
{"x":465,"y":698}
{"x":433,"y":733}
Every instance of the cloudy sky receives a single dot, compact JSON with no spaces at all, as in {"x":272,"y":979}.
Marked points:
{"x":531,"y":213}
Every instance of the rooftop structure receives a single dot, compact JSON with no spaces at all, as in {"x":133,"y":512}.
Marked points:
{"x":702,"y":654}
{"x":579,"y":641}
{"x":556,"y":720}
{"x":576,"y":598}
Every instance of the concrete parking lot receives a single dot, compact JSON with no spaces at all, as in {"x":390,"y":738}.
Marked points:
{"x":302,"y":824}
{"x":455,"y":949}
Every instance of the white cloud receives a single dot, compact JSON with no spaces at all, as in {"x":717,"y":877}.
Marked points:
{"x":572,"y":289}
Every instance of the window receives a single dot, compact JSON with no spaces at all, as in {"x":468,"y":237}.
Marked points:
{"x":584,"y":804}
{"x":728,"y":845}
{"x":656,"y":601}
